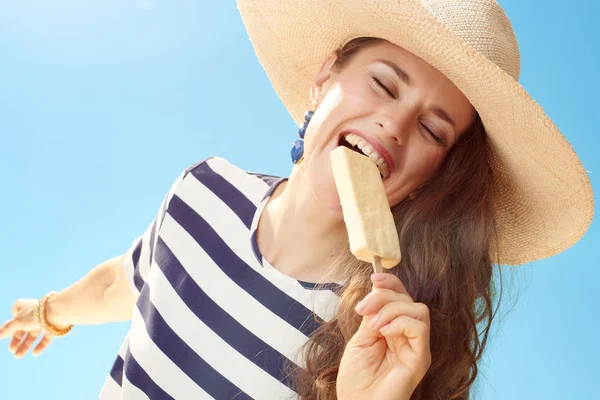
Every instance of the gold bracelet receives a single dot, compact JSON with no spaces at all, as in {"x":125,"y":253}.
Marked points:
{"x":40,"y":315}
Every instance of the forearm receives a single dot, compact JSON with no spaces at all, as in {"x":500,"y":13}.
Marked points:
{"x":101,"y":296}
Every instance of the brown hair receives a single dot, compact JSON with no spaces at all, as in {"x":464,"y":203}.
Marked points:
{"x":445,"y":236}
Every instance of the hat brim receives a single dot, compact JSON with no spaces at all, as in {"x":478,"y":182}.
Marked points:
{"x":544,"y":200}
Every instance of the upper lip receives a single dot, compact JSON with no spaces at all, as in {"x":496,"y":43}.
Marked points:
{"x":376,"y":145}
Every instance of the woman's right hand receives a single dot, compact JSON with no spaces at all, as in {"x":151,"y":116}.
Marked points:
{"x":24,"y":329}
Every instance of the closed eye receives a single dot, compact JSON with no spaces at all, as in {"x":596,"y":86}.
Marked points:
{"x":392,"y":95}
{"x":433,"y":135}
{"x":381,"y":85}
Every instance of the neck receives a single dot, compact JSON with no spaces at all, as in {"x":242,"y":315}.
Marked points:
{"x":297,"y":234}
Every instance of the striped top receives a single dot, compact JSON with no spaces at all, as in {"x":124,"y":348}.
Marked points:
{"x":213,"y":319}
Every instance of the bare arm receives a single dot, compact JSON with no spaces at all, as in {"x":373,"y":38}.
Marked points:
{"x":102,"y":295}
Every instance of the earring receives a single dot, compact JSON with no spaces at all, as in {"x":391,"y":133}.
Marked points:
{"x":297,"y":152}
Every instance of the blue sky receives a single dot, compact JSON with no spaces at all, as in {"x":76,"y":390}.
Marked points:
{"x":105,"y":102}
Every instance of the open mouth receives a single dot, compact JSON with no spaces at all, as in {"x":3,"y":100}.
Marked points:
{"x":361,"y":146}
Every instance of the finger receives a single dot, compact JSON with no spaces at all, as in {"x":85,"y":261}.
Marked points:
{"x":389,"y":281}
{"x":26,"y":344}
{"x":373,"y":302}
{"x":395,"y":309}
{"x":23,"y":323}
{"x":16,"y":341}
{"x":417,"y":333}
{"x":43,"y":344}
{"x":10,"y":328}
{"x":7,"y":329}
{"x":365,"y":336}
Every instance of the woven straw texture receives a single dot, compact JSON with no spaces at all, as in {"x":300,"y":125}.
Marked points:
{"x":545,"y":200}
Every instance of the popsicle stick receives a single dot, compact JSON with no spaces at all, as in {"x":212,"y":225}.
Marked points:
{"x":377,"y":267}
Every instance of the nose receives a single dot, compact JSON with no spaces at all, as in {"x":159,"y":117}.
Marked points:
{"x":396,"y":123}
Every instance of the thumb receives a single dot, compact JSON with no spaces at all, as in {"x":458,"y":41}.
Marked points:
{"x":16,"y":308}
{"x":20,"y":304}
{"x":365,"y":332}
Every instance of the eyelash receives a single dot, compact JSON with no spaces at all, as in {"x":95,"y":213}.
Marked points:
{"x":381,"y":85}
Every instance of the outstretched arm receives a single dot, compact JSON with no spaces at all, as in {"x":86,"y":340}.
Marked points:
{"x":102,"y":295}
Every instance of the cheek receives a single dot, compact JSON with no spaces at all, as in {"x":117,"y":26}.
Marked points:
{"x":417,"y":170}
{"x":323,"y":122}
{"x":427,"y":164}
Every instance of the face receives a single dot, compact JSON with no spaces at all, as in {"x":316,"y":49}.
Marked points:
{"x":399,"y":109}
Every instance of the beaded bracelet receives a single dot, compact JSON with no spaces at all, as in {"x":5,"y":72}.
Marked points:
{"x":40,"y":317}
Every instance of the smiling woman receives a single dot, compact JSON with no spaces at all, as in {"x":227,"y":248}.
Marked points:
{"x":458,"y":195}
{"x":244,"y":286}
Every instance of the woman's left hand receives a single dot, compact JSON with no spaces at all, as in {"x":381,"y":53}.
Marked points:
{"x":389,"y":354}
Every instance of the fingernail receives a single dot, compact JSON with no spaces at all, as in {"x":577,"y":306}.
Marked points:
{"x":378,"y":277}
{"x":361,"y":306}
{"x":373,"y":321}
{"x":385,"y":328}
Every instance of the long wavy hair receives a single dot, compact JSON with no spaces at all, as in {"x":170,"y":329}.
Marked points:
{"x":445,"y":235}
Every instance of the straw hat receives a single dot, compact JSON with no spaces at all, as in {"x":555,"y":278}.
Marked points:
{"x":545,"y":200}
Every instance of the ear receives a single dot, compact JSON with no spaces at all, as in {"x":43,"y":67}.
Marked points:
{"x":319,"y":87}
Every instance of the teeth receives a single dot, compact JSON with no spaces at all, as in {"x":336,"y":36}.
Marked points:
{"x":369,"y":151}
{"x":362,"y":144}
{"x":353,"y":139}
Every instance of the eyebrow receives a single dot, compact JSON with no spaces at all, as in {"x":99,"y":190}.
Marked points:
{"x":437,"y":110}
{"x":399,"y":71}
{"x":443,"y":115}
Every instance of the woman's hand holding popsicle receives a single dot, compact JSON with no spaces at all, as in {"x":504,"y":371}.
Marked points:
{"x":390,"y":353}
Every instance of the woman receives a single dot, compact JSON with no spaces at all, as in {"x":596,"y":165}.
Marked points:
{"x":243,"y":286}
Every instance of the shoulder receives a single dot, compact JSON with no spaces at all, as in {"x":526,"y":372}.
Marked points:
{"x":222,"y":176}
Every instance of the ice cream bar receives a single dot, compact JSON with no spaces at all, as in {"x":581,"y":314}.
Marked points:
{"x":371,"y":228}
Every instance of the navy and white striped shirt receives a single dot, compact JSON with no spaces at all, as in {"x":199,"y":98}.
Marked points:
{"x":213,"y":319}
